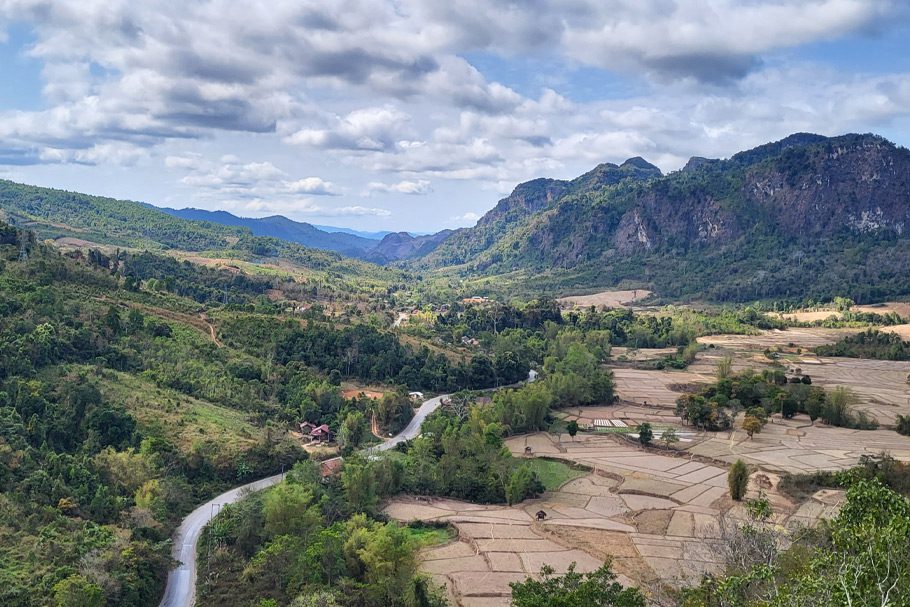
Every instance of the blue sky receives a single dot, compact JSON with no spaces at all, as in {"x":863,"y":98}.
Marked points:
{"x":419,"y":114}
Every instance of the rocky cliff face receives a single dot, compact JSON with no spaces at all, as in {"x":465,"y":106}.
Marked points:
{"x":795,"y":197}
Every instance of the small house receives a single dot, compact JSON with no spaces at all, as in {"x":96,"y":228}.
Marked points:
{"x":416,"y":396}
{"x":316,"y":433}
{"x":532,"y":376}
{"x":321,"y":434}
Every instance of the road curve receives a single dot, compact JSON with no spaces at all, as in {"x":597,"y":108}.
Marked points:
{"x":412,"y":430}
{"x":181,"y":582}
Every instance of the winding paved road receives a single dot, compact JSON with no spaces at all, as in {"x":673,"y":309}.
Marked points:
{"x":412,"y":430}
{"x":181,"y":582}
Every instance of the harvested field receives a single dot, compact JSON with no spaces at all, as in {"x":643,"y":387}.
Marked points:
{"x":902,"y":330}
{"x":605,"y":299}
{"x":655,"y":388}
{"x":656,"y":515}
{"x":880,"y":385}
{"x":798,"y":446}
{"x":636,"y":354}
{"x":358,"y":392}
{"x":901,"y":308}
{"x":802,"y":337}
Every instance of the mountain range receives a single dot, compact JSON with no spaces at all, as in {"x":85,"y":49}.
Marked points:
{"x":807,"y":217}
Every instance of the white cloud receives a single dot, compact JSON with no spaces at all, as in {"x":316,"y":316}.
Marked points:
{"x":419,"y":187}
{"x":381,"y":96}
{"x":373,"y":129}
{"x":358,"y":211}
{"x":311,"y":185}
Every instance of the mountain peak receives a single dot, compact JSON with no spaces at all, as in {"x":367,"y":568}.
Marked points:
{"x":639,"y":163}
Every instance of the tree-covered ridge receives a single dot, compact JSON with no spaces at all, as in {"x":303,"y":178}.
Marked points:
{"x":54,"y":214}
{"x":795,"y":220}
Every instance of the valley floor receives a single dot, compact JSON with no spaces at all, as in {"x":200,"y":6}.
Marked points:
{"x":658,"y":513}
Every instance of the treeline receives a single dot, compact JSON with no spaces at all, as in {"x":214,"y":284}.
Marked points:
{"x":619,"y":327}
{"x":368,"y":353}
{"x":762,"y":394}
{"x":868,"y":344}
{"x":460,"y":452}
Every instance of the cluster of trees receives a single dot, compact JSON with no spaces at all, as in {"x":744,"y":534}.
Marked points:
{"x":460,"y":453}
{"x":861,"y":557}
{"x":310,"y":538}
{"x":368,"y":353}
{"x":869,"y":344}
{"x":762,"y":394}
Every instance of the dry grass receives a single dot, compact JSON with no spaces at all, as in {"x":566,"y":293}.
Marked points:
{"x":606,"y":299}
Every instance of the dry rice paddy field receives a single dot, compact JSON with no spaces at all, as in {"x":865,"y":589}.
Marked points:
{"x":880,"y":385}
{"x":656,"y":513}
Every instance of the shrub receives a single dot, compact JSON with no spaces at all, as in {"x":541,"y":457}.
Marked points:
{"x":738,"y":479}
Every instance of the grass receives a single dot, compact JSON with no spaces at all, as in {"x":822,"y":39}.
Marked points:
{"x":182,"y":418}
{"x":554,"y":474}
{"x":425,"y":535}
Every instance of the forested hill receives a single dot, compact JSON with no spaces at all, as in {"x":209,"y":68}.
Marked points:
{"x":130,"y":392}
{"x":805,"y":217}
{"x":97,"y":220}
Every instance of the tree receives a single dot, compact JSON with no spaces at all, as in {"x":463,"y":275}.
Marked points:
{"x":289,"y":509}
{"x":738,"y":480}
{"x":353,"y":429}
{"x":572,"y":428}
{"x":360,"y":486}
{"x":321,"y":598}
{"x":596,"y":589}
{"x":751,"y":425}
{"x":724,"y":367}
{"x":76,"y":591}
{"x":523,"y":483}
{"x":669,"y":437}
{"x":903,"y":425}
{"x":645,"y":434}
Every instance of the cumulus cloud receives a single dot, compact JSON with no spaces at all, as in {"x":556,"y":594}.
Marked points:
{"x":232,"y":179}
{"x":419,"y":187}
{"x":387,"y":96}
{"x":374,"y":129}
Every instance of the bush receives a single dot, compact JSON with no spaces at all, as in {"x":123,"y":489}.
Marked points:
{"x":903,"y":425}
{"x":645,"y":434}
{"x":738,"y":480}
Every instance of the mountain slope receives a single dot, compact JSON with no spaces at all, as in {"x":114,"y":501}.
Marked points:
{"x":402,"y":245}
{"x":97,"y":220}
{"x":278,"y":226}
{"x":805,"y":217}
{"x":528,"y":199}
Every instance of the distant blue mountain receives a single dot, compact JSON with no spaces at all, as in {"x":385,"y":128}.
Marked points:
{"x":346,"y":242}
{"x":370,"y":235}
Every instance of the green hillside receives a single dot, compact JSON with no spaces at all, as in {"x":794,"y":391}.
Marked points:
{"x":130,"y":392}
{"x":808,"y":217}
{"x":96,"y":221}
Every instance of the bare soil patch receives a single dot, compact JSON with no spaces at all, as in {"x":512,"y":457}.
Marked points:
{"x":605,"y":299}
